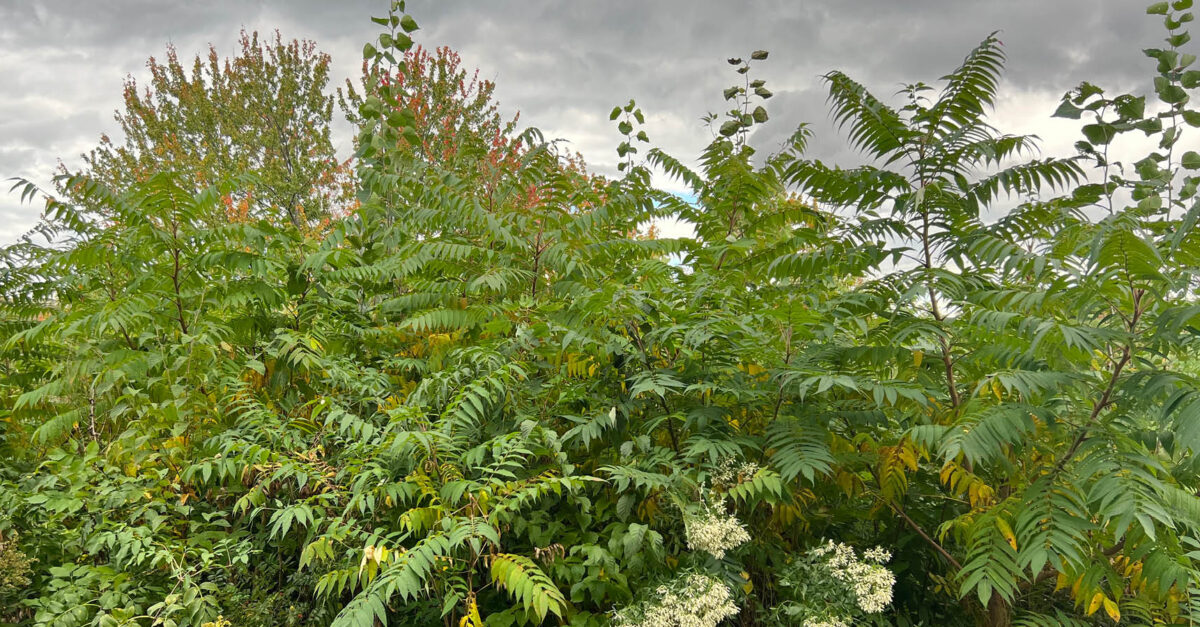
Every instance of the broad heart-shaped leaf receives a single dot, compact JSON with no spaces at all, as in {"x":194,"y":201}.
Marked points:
{"x":1131,"y":108}
{"x":1067,"y":109}
{"x":1169,"y":92}
{"x":398,"y":41}
{"x":1099,"y":134}
{"x":1190,"y":160}
{"x":401,"y":119}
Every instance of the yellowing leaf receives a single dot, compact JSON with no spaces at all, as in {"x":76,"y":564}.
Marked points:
{"x":980,"y":494}
{"x":947,"y":473}
{"x":1007,"y":532}
{"x":1110,"y":608}
{"x":472,"y":617}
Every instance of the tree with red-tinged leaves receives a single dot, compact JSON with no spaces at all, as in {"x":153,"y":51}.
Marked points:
{"x":426,"y":118}
{"x":455,"y":121}
{"x":262,"y":116}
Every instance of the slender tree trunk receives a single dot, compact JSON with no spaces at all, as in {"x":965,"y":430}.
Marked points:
{"x":998,"y":614}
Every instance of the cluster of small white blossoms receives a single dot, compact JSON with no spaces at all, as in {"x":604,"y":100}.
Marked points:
{"x":701,"y":601}
{"x":871,"y":582}
{"x":730,"y":472}
{"x":825,"y":622}
{"x":714,"y":532}
{"x":879,"y":555}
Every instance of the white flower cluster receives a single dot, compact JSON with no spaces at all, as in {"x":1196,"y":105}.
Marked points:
{"x":873,"y":588}
{"x":879,"y":555}
{"x":871,"y":582}
{"x":831,"y":621}
{"x":731,"y":473}
{"x":715,"y":532}
{"x":701,"y":601}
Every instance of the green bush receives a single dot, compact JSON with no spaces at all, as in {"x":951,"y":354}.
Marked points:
{"x":487,"y":395}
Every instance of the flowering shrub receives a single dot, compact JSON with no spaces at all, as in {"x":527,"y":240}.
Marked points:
{"x":223,"y":411}
{"x":14,"y":573}
{"x":714,"y":531}
{"x":831,"y":586}
{"x":826,"y":622}
{"x":731,"y":472}
{"x":691,"y":600}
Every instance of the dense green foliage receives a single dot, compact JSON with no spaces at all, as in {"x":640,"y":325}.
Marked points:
{"x":488,"y":395}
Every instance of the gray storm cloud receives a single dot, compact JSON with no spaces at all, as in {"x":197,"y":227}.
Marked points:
{"x":565,"y":64}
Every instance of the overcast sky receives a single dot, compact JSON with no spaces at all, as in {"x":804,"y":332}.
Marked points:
{"x":564,"y":64}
